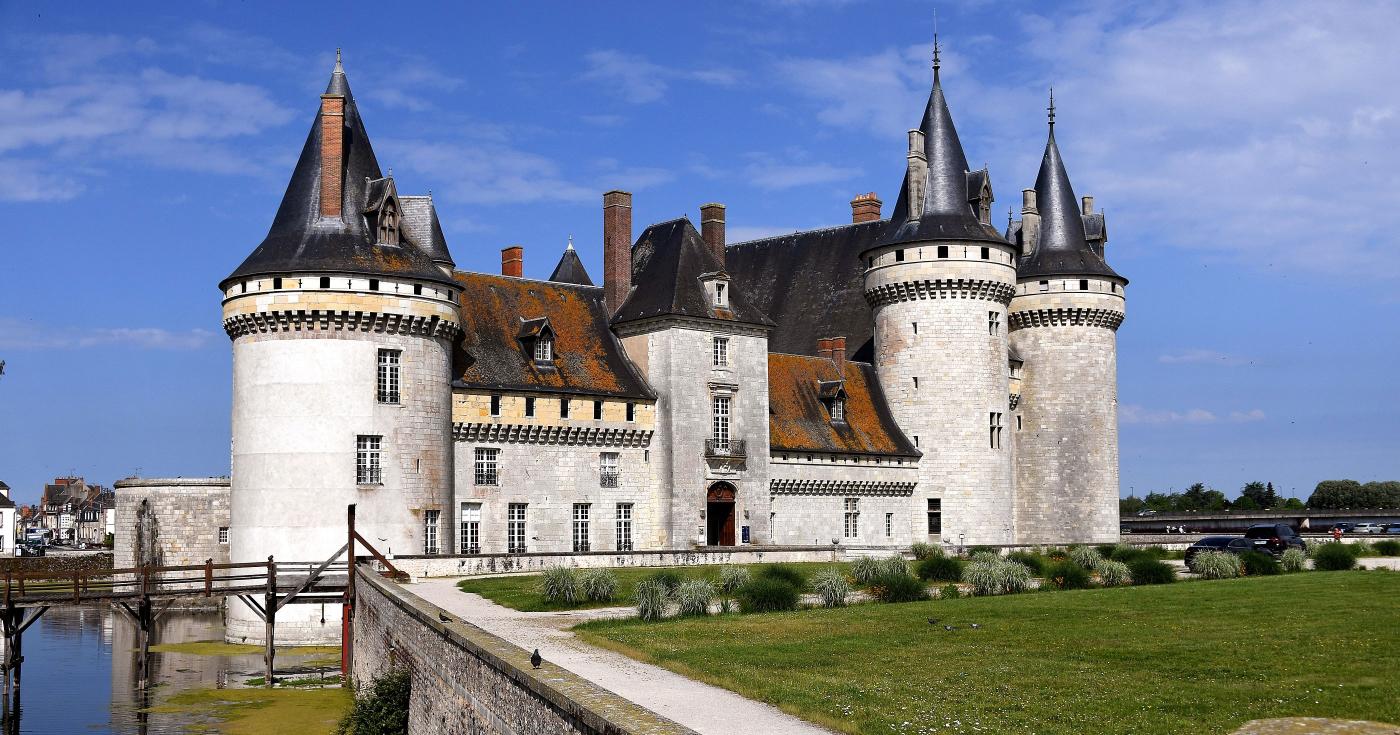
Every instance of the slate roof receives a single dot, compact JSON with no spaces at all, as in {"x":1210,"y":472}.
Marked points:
{"x":811,"y":285}
{"x":421,"y":226}
{"x":300,"y":240}
{"x":570,"y":269}
{"x":945,"y":211}
{"x":798,"y":420}
{"x":668,"y":261}
{"x":1063,"y":248}
{"x":498,"y":312}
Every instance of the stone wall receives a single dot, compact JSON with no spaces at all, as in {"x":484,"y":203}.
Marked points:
{"x":809,"y":494}
{"x":465,"y":680}
{"x":459,"y":566}
{"x":171,"y":522}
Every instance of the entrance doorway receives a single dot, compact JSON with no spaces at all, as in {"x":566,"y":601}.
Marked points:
{"x":719,"y":515}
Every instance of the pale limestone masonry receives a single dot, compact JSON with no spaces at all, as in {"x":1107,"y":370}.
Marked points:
{"x":810,"y":494}
{"x":941,"y":354}
{"x":1067,"y":446}
{"x":171,"y":522}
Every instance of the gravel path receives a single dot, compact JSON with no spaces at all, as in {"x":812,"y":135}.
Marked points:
{"x":706,"y":709}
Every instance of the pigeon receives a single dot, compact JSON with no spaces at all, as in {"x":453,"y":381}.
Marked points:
{"x":975,"y":626}
{"x":535,"y":659}
{"x":933,"y":621}
{"x":443,"y":617}
{"x":947,"y":627}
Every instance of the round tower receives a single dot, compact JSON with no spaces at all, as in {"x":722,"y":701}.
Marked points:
{"x":1064,"y":322}
{"x":342,"y":331}
{"x":939,"y":280}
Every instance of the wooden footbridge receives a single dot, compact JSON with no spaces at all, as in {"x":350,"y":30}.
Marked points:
{"x":145,"y":593}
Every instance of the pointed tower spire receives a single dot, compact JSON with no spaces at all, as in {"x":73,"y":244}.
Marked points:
{"x":1051,"y":111}
{"x":570,"y":246}
{"x":570,"y":268}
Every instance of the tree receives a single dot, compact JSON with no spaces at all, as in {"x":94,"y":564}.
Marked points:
{"x":1292,"y":504}
{"x":1335,"y":494}
{"x":1245,"y":502}
{"x":1198,"y":497}
{"x":1381,"y":494}
{"x":1261,"y":495}
{"x":1130,"y":505}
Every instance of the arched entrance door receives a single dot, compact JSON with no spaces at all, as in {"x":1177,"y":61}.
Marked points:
{"x":719,"y":514}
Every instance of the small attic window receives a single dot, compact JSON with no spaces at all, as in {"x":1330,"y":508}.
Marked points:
{"x":942,"y":251}
{"x":721,"y":294}
{"x":277,"y":283}
{"x":544,"y":348}
{"x":389,"y":222}
{"x":325,"y":281}
{"x":1083,"y":284}
{"x":374,"y":284}
{"x":838,"y":410}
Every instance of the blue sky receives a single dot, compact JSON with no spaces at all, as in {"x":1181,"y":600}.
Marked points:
{"x":1243,"y":151}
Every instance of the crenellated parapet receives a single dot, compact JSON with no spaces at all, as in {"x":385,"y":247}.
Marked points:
{"x":939,"y":288}
{"x":510,"y":433}
{"x":307,"y":303}
{"x":816,"y":486}
{"x":1066,"y":317}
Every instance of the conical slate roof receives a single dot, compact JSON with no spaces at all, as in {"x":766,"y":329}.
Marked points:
{"x":570,"y":269}
{"x":301,"y":240}
{"x":945,"y":211}
{"x":1061,"y":248}
{"x":421,"y":225}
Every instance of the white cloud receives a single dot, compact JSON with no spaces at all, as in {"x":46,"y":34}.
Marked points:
{"x":639,"y":80}
{"x":766,"y":172}
{"x":28,"y":181}
{"x":21,"y":335}
{"x":1134,"y":414}
{"x":1246,"y":416}
{"x":1198,"y":356}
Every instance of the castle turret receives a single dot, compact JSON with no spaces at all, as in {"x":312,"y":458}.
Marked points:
{"x":1064,"y":319}
{"x":342,"y":327}
{"x":939,"y":279}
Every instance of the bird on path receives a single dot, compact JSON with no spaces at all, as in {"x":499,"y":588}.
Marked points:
{"x":443,"y":617}
{"x":535,"y":659}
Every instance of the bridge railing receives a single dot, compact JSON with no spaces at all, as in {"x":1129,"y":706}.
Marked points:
{"x":207,"y":580}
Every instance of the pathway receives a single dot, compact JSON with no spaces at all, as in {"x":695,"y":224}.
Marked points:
{"x":706,"y":709}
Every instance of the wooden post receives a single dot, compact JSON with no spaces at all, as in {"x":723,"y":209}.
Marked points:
{"x":209,"y":576}
{"x":270,"y":621}
{"x":347,"y":608}
{"x":143,"y":629}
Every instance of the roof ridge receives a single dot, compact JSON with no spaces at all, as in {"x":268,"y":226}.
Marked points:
{"x":544,"y":281}
{"x":831,"y":228}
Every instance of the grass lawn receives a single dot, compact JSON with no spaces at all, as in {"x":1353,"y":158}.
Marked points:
{"x":1191,"y":657}
{"x":522,"y":592}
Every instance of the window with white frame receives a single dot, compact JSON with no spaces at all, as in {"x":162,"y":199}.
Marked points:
{"x":994,"y":427}
{"x":935,"y":516}
{"x":851,"y":529}
{"x":471,"y":528}
{"x":367,"y":467}
{"x":889,"y":525}
{"x":624,"y":526}
{"x":581,"y":527}
{"x":430,"y":531}
{"x":487,"y":460}
{"x":721,"y":294}
{"x":389,"y":376}
{"x":544,"y":347}
{"x":223,"y":534}
{"x":838,"y":409}
{"x":720,"y":426}
{"x":609,"y":474}
{"x":993,"y":322}
{"x":721,"y":351}
{"x":515,"y":528}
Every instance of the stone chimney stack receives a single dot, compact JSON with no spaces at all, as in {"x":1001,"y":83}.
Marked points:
{"x":1088,"y":205}
{"x":824,"y":348}
{"x":712,"y":228}
{"x":617,"y":248}
{"x":332,"y":153}
{"x":917,"y":175}
{"x":838,"y":353}
{"x":513,"y":261}
{"x":1030,"y":222}
{"x":865,"y":208}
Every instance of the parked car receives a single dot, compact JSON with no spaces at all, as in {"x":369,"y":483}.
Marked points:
{"x":1146,"y":512}
{"x":1209,"y":543}
{"x":1343,"y":526}
{"x":1278,"y":537}
{"x":1392,"y":528}
{"x":1368,"y":528}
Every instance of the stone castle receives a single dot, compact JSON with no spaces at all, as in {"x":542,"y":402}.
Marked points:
{"x":921,"y":378}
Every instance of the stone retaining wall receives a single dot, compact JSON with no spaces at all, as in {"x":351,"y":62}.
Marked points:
{"x":466,"y":680}
{"x":462,"y":566}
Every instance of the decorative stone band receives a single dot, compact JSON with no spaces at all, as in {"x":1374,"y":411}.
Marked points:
{"x":1015,"y":400}
{"x":1066,"y":317}
{"x":238,"y":325}
{"x":781,"y":486}
{"x":532,"y":434}
{"x":941,"y":288}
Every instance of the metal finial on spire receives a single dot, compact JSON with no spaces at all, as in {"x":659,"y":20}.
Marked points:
{"x":936,"y":63}
{"x":1051,"y":108}
{"x":338,"y":68}
{"x":391,"y":172}
{"x":571,"y":242}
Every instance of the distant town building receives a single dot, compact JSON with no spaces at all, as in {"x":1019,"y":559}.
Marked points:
{"x":8,"y":520}
{"x":77,"y":512}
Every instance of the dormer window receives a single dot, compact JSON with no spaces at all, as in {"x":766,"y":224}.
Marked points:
{"x":721,"y":295}
{"x":537,"y":339}
{"x":833,"y":395}
{"x":544,"y":348}
{"x":838,"y":410}
{"x":389,"y":222}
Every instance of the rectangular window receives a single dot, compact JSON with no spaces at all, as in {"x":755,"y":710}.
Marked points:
{"x":899,"y":256}
{"x":1044,"y":286}
{"x":851,"y":528}
{"x":1083,"y":284}
{"x":544,"y":349}
{"x":721,"y":351}
{"x":597,"y":410}
{"x":993,"y":322}
{"x":367,"y":469}
{"x":994,"y":427}
{"x":495,"y":405}
{"x":838,"y":410}
{"x":277,"y":283}
{"x":608,"y":472}
{"x":325,"y":282}
{"x":471,"y":528}
{"x":986,"y":253}
{"x":515,"y":528}
{"x":417,"y":289}
{"x":624,"y":526}
{"x":721,"y":298}
{"x":942,"y":251}
{"x":1018,"y":422}
{"x":430,"y":531}
{"x":631,"y":411}
{"x":389,"y":376}
{"x":935,"y":516}
{"x":563,"y":408}
{"x":529,"y":406}
{"x":916,"y":382}
{"x":223,"y":534}
{"x":487,"y":460}
{"x":580,"y":527}
{"x":374,"y":284}
{"x":719,"y":428}
{"x":889,"y":525}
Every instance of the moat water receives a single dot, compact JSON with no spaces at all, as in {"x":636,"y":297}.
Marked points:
{"x":79,"y":675}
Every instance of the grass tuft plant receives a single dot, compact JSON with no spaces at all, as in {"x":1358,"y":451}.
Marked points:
{"x":996,"y":577}
{"x":949,"y":592}
{"x":1085,"y":556}
{"x":1151,"y":571}
{"x":1389,"y":547}
{"x":831,"y":585}
{"x":731,"y":578}
{"x":668,"y":578}
{"x":894,"y":564}
{"x":560,"y":585}
{"x":864,"y":569}
{"x":1068,"y":575}
{"x":941,"y":569}
{"x":923,"y":551}
{"x":767,"y":594}
{"x":785,"y":573}
{"x":900,"y":587}
{"x":1113,"y":573}
{"x":1333,"y":558}
{"x":694,"y":596}
{"x":650,"y":596}
{"x":1032,"y":561}
{"x":1293,"y":560}
{"x":1216,"y":565}
{"x":598,"y":585}
{"x":1259,"y":564}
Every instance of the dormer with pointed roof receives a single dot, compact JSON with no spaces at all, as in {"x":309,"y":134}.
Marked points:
{"x":570,"y":268}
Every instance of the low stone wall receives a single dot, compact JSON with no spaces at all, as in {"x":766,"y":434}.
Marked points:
{"x":466,"y":680}
{"x":463,"y":566}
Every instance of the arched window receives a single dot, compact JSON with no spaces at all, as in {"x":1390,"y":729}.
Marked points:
{"x":389,"y":222}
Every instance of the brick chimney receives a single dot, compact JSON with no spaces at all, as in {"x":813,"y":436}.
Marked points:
{"x":865,"y":208}
{"x":617,"y":248}
{"x":838,"y":353}
{"x":712,"y":228}
{"x":513,"y":261}
{"x":332,"y":153}
{"x":824,"y":348}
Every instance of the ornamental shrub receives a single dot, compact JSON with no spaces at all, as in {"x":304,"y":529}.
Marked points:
{"x":1056,"y":554}
{"x":941,"y":569}
{"x":831,"y":585}
{"x":864,"y":569}
{"x":898,"y":588}
{"x":1113,"y":573}
{"x":975,"y":550}
{"x":923,"y":551}
{"x":1389,"y":547}
{"x":1151,"y":571}
{"x":668,"y":578}
{"x":785,"y":573}
{"x":731,"y":578}
{"x":1293,"y":560}
{"x":1032,"y":561}
{"x":694,"y":596}
{"x":767,"y":594}
{"x":650,"y":596}
{"x":894,"y":564}
{"x":949,"y":592}
{"x":598,"y":585}
{"x":1361,"y":548}
{"x":1259,"y":564}
{"x":382,"y":709}
{"x":996,"y":577}
{"x":1106,"y":550}
{"x":1216,"y":565}
{"x":1085,"y":556}
{"x":560,"y":585}
{"x":1069,"y":576}
{"x":985,"y":557}
{"x":1333,"y":558}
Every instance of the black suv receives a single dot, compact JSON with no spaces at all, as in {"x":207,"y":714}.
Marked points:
{"x":1209,"y":543}
{"x":1276,"y":537}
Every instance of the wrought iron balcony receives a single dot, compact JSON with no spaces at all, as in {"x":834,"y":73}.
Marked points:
{"x":609,"y":478}
{"x":725,"y":448}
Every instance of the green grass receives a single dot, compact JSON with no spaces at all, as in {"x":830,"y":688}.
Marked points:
{"x":1192,"y":657}
{"x":522,"y":592}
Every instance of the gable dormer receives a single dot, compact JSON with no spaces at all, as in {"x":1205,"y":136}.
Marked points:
{"x":382,"y":210}
{"x":833,"y":395}
{"x":537,"y":340}
{"x":717,"y":290}
{"x":979,"y":194}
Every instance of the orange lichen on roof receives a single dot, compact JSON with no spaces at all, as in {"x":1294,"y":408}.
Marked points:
{"x":587,"y":356}
{"x":798,"y":420}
